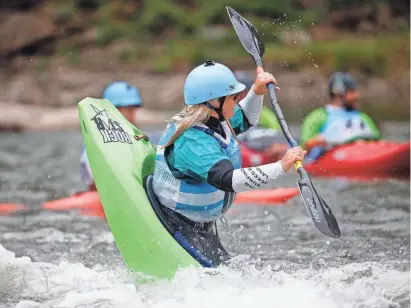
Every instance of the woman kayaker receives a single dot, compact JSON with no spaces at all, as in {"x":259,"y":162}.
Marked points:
{"x":198,"y":162}
{"x":127,"y":99}
{"x":266,"y":136}
{"x":338,"y":122}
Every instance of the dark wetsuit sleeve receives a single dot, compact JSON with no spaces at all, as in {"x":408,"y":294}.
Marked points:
{"x":221,"y":175}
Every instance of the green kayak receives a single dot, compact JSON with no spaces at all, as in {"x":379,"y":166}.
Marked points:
{"x":120,"y":159}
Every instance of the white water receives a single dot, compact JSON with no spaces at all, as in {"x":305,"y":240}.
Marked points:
{"x":27,"y":284}
{"x":374,"y":219}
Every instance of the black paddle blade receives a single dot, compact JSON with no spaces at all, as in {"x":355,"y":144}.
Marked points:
{"x":319,"y":211}
{"x":248,"y":35}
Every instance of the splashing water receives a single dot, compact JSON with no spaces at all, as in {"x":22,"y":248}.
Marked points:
{"x":74,"y":262}
{"x":28,"y":284}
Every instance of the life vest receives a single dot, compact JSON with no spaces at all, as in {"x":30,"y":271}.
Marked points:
{"x":193,"y":197}
{"x":345,"y":125}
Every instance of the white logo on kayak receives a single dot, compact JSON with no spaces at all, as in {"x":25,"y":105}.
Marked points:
{"x":339,"y":155}
{"x":314,"y":211}
{"x":110,"y":130}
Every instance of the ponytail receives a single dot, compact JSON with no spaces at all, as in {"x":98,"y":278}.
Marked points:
{"x":191,"y":116}
{"x":187,"y":118}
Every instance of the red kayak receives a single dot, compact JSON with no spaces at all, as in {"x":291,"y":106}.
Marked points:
{"x":361,"y":159}
{"x":276,"y":196}
{"x":89,"y":203}
{"x":365,"y":159}
{"x":9,"y":208}
{"x":88,"y":200}
{"x":252,"y":158}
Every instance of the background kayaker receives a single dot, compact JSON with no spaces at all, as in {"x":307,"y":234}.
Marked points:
{"x":338,"y":122}
{"x":198,"y":162}
{"x":266,"y":135}
{"x":127,"y":100}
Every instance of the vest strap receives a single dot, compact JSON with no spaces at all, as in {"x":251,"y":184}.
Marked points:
{"x":212,"y":133}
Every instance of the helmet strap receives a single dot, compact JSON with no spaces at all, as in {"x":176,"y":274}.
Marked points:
{"x":219,"y":109}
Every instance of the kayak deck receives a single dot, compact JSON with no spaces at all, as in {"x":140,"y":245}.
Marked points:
{"x":120,"y":159}
{"x":361,"y":159}
{"x":364,"y":159}
{"x":89,"y":202}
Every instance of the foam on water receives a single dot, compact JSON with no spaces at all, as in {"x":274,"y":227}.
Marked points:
{"x":27,"y":284}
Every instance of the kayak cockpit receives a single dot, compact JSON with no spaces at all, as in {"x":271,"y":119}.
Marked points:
{"x":200,"y":240}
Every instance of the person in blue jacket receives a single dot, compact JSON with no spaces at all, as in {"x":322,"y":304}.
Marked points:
{"x":198,"y":163}
{"x":127,"y":99}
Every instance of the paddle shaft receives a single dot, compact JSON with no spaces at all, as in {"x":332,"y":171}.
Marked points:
{"x":283,"y":124}
{"x":318,"y":210}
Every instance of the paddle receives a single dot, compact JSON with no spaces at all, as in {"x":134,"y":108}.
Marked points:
{"x":318,"y":210}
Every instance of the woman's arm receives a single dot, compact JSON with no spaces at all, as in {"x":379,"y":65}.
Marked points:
{"x":224,"y":177}
{"x":250,"y":106}
{"x":200,"y":157}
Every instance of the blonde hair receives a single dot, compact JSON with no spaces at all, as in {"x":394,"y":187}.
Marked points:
{"x":190,"y":116}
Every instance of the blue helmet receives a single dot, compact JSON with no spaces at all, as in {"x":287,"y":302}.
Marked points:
{"x":209,"y":81}
{"x":339,"y":82}
{"x":122,"y":94}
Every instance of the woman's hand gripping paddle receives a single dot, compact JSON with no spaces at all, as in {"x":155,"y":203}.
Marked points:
{"x":319,"y":211}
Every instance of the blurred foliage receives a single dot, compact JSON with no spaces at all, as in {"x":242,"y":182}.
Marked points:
{"x":166,"y":34}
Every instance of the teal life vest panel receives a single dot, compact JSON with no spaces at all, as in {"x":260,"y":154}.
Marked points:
{"x":180,"y":183}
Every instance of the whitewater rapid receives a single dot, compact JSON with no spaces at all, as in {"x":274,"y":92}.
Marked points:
{"x":27,"y":284}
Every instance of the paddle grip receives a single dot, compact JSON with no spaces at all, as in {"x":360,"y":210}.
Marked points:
{"x":277,"y":110}
{"x":297,"y":164}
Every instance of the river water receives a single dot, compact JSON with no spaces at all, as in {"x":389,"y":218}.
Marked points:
{"x":64,"y":259}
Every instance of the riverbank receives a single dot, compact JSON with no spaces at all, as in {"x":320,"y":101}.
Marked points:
{"x":19,"y":117}
{"x":33,"y":100}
